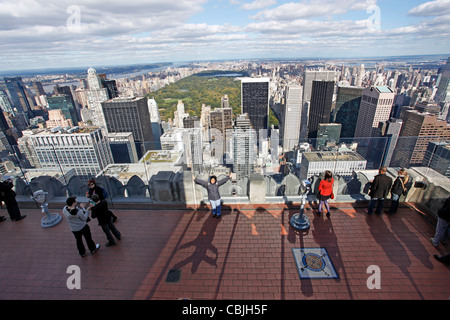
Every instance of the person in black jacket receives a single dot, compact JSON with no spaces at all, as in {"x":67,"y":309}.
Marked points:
{"x":8,"y":196}
{"x":96,"y":189}
{"x":379,"y":190}
{"x":442,"y":223}
{"x":99,"y":210}
{"x":398,"y":188}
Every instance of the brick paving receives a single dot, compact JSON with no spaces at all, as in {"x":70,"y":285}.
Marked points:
{"x":247,"y":254}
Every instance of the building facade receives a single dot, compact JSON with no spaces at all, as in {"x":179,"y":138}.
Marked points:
{"x":255,"y":101}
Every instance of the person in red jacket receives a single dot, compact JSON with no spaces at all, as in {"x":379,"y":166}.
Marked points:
{"x":325,"y":191}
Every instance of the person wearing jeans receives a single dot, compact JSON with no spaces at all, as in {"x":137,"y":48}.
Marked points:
{"x":442,"y":224}
{"x":77,"y":218}
{"x":212,"y":188}
{"x":325,"y":191}
{"x":397,"y":190}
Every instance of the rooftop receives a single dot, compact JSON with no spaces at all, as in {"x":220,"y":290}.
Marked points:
{"x":247,"y":254}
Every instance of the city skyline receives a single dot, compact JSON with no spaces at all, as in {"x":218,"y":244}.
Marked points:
{"x":54,"y":34}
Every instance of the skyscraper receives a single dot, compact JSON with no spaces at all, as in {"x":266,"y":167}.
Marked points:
{"x":417,"y":131}
{"x":155,"y":119}
{"x":291,"y":114}
{"x":376,"y":104}
{"x":347,"y":108}
{"x":64,"y":103}
{"x":443,"y":91}
{"x":96,"y":94}
{"x":308,"y":78}
{"x":244,"y":147}
{"x":86,"y":150}
{"x":255,"y":101}
{"x":320,"y":108}
{"x":130,"y":114}
{"x":17,"y":93}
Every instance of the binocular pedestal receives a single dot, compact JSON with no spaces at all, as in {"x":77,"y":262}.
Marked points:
{"x":300,"y":221}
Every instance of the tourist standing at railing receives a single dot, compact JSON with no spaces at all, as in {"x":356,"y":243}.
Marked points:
{"x":398,"y":188}
{"x":96,"y":189}
{"x":325,"y":191}
{"x":213,"y":192}
{"x":442,"y":223}
{"x":8,"y":196}
{"x":379,"y":190}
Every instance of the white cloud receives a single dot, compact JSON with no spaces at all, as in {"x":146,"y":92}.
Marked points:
{"x":431,"y":8}
{"x":258,"y":4}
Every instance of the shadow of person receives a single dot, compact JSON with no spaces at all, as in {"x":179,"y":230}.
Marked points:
{"x":325,"y":237}
{"x":391,"y":245}
{"x":202,"y":244}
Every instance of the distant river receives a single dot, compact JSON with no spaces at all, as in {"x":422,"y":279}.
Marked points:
{"x":49,"y":87}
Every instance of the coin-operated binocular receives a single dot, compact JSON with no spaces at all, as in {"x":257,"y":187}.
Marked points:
{"x":50,"y":219}
{"x":300,"y":221}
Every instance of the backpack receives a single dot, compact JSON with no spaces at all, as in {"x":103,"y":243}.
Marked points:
{"x":105,"y":194}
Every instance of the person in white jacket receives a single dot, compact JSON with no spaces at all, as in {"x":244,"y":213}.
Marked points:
{"x":77,"y":218}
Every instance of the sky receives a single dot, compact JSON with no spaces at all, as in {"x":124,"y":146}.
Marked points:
{"x":38,"y":34}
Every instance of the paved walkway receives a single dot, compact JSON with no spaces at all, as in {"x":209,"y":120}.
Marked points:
{"x":247,"y":254}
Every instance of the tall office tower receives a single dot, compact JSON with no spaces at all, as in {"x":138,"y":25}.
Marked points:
{"x":376,"y":104}
{"x":17,"y":93}
{"x":328,"y":135}
{"x":205,"y":121}
{"x":291,"y":115}
{"x":417,"y":131}
{"x":320,"y":108}
{"x":96,"y":94}
{"x":123,"y":147}
{"x":442,"y":96}
{"x":5,"y":104}
{"x":390,"y":130}
{"x":221,"y":123}
{"x":84,"y":149}
{"x":191,"y":122}
{"x":347,"y":108}
{"x":93,"y":80}
{"x":255,"y":101}
{"x":155,"y":119}
{"x":130,"y":114}
{"x":224,"y":101}
{"x":221,"y":119}
{"x":111,"y":87}
{"x":193,"y":148}
{"x":63,"y":102}
{"x":6,"y":129}
{"x":56,"y":118}
{"x":437,"y":157}
{"x":244,"y":147}
{"x":180,"y":114}
{"x":68,"y":91}
{"x":38,"y":89}
{"x":25,"y":145}
{"x":308,"y":78}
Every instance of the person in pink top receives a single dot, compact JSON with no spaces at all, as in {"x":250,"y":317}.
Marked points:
{"x":325,"y":191}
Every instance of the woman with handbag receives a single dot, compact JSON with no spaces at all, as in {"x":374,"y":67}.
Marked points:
{"x":398,"y":188}
{"x":325,"y":192}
